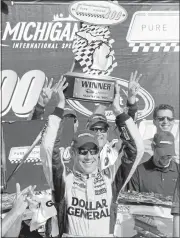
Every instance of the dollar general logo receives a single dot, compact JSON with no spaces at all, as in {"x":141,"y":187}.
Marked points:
{"x":41,"y":35}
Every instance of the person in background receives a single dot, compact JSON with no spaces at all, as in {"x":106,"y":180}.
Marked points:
{"x":163,"y":119}
{"x":109,"y":151}
{"x":175,"y":210}
{"x":84,"y":195}
{"x":71,"y":113}
{"x":11,"y":223}
{"x":160,"y":172}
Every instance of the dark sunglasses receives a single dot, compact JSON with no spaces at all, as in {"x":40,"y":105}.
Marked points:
{"x":163,"y":118}
{"x":100,"y":129}
{"x":82,"y":151}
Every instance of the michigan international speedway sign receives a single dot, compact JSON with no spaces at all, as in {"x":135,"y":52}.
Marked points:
{"x":39,"y":41}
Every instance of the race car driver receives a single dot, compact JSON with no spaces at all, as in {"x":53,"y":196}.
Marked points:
{"x":84,"y":196}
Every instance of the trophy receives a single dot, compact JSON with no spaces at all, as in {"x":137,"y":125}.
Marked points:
{"x":90,"y":79}
{"x":89,"y":88}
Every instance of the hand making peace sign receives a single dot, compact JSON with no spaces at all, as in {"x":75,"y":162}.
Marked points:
{"x":47,"y":92}
{"x":133,"y":87}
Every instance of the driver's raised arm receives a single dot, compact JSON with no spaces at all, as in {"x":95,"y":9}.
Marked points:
{"x":132,"y":148}
{"x":50,"y":155}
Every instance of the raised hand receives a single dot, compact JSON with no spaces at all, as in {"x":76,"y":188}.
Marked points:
{"x":116,"y":102}
{"x":32,"y":202}
{"x":133,"y":87}
{"x":46,"y":92}
{"x":62,"y":85}
{"x":20,"y":204}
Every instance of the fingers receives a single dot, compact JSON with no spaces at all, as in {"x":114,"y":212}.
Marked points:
{"x":54,"y":88}
{"x":31,"y":191}
{"x":138,"y":78}
{"x":131,"y":77}
{"x":134,"y":77}
{"x":25,"y":191}
{"x":18,"y":189}
{"x":44,"y":92}
{"x":62,"y":82}
{"x":46,"y":82}
{"x":64,"y":86}
{"x":31,"y":202}
{"x":117,"y":87}
{"x":50,"y":83}
{"x":34,"y":187}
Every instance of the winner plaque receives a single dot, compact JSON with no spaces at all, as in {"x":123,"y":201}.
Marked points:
{"x":89,"y":88}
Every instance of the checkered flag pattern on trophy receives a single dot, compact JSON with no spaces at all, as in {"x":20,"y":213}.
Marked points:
{"x":92,"y":48}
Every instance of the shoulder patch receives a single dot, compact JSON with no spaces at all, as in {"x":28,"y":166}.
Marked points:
{"x":68,"y":171}
{"x":106,"y":172}
{"x":106,"y":161}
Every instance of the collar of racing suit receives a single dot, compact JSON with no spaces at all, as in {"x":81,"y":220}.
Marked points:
{"x":83,"y":176}
{"x":89,"y":180}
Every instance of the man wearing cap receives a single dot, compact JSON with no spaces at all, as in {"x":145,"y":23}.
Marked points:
{"x":108,"y":154}
{"x":83,"y":196}
{"x":160,"y":172}
{"x":109,"y":151}
{"x":163,"y":120}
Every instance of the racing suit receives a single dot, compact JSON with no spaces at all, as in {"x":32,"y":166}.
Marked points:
{"x":84,"y":202}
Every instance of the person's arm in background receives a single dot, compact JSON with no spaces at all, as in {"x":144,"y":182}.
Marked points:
{"x":130,"y":152}
{"x":11,"y":223}
{"x":132,"y":149}
{"x":44,"y":98}
{"x":175,"y":210}
{"x":15,"y":229}
{"x":133,"y":89}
